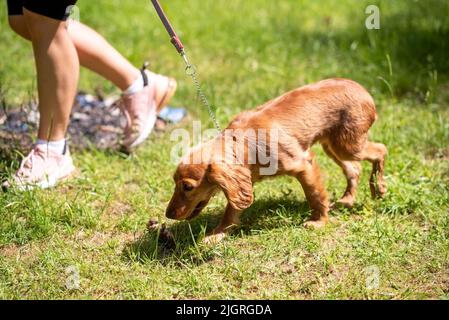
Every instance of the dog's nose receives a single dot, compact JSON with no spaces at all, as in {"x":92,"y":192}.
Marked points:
{"x":171,"y":214}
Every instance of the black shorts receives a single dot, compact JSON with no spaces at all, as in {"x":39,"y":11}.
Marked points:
{"x":59,"y":9}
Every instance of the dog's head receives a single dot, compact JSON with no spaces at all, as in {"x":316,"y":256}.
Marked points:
{"x":197,"y":183}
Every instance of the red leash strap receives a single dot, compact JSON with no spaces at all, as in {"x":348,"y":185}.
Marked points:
{"x":190,"y":69}
{"x":173,"y":36}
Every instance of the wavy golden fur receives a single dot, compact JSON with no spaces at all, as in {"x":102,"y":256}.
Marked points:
{"x":336,"y":113}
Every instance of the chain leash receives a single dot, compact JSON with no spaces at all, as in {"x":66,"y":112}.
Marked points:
{"x":191,"y":72}
{"x":190,"y":69}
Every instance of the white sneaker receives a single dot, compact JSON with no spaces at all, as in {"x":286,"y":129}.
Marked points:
{"x":42,"y":168}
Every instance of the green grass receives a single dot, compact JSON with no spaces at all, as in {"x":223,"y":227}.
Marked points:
{"x":247,"y":52}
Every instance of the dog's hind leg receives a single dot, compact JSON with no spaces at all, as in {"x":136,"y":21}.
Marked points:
{"x":366,"y":150}
{"x":375,"y":153}
{"x":310,"y":179}
{"x":351,"y":170}
{"x":355,"y":146}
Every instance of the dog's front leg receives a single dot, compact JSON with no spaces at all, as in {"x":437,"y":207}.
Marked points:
{"x":310,"y":179}
{"x":230,"y":219}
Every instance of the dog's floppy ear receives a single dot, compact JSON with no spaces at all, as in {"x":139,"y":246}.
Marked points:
{"x":235,"y":181}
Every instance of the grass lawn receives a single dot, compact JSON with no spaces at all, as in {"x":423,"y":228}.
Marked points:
{"x":92,"y":229}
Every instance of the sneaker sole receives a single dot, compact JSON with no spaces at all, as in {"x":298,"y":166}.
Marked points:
{"x":51,"y":181}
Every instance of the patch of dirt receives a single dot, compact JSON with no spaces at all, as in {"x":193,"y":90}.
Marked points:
{"x":117,"y":209}
{"x":434,"y":284}
{"x":96,"y":122}
{"x":24,"y":252}
{"x":15,"y":126}
{"x":438,"y":154}
{"x":337,"y":237}
{"x":132,"y":186}
{"x":9,"y":250}
{"x":99,"y":239}
{"x":112,"y":210}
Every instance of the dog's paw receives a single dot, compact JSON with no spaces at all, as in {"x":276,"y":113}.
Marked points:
{"x":378,"y":191}
{"x":347,"y":202}
{"x":381,"y":191}
{"x":314,"y":224}
{"x":214,"y":238}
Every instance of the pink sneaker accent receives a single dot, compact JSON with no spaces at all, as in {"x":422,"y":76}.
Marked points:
{"x":141,"y":108}
{"x":42,"y":168}
{"x":140,"y":111}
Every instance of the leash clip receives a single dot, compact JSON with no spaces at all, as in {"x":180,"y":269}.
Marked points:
{"x":190,"y":68}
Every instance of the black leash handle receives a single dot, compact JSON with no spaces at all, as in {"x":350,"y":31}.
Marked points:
{"x":173,"y":36}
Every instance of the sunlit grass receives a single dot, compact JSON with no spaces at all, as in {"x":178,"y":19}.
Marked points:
{"x":247,"y":52}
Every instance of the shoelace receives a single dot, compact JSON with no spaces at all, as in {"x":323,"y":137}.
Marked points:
{"x":27,"y":163}
{"x":128,"y":116}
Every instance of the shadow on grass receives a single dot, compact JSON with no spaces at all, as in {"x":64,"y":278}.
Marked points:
{"x":265,"y":214}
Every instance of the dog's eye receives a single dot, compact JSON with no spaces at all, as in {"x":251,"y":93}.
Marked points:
{"x":187,"y":186}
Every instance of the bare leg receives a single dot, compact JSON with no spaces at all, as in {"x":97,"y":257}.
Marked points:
{"x":57,"y":73}
{"x":351,"y":170}
{"x":94,"y":52}
{"x":310,"y":179}
{"x":230,"y":219}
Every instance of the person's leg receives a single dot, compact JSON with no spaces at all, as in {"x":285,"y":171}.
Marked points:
{"x":97,"y":54}
{"x":94,"y":52}
{"x":18,"y":24}
{"x":57,"y":68}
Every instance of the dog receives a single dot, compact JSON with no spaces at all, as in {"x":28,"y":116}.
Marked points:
{"x":337,"y":113}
